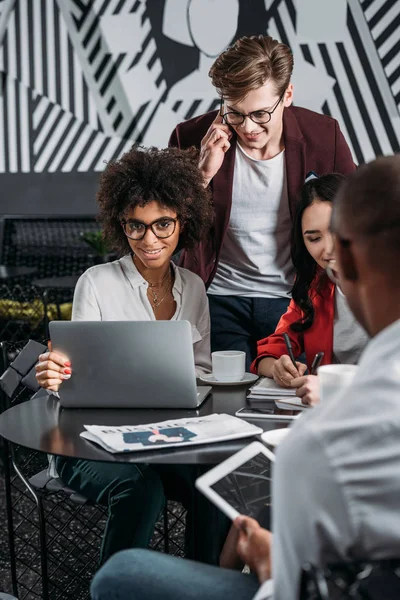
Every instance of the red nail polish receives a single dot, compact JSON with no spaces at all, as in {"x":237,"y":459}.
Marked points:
{"x":67,"y":363}
{"x":67,"y":371}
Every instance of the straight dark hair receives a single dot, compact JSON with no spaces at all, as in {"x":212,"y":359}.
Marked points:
{"x":319,"y":189}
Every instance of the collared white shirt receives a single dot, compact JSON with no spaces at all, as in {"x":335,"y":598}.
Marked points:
{"x":336,"y":485}
{"x":116,"y":291}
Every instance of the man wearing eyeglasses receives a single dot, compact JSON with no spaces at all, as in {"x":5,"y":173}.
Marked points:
{"x":255,"y":153}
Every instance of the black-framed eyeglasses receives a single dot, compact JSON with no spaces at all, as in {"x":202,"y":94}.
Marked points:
{"x":257,"y":116}
{"x":162,"y":228}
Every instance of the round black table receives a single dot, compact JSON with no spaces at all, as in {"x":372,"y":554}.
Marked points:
{"x":41,"y":424}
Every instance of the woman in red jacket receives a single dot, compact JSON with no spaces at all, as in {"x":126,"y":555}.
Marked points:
{"x":318,"y":318}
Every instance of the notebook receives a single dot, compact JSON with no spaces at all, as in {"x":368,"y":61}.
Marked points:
{"x":267,"y":389}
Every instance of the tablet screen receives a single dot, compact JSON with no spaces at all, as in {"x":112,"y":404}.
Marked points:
{"x":248,"y":488}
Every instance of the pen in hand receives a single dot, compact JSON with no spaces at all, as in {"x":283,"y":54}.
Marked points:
{"x":316,"y":362}
{"x":289,"y":349}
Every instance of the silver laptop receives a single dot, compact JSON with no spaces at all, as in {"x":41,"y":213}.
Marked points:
{"x":128,"y":364}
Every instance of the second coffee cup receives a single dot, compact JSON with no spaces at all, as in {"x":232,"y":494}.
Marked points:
{"x":333,"y":379}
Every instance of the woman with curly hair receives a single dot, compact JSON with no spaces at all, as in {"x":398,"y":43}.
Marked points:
{"x":151,"y":201}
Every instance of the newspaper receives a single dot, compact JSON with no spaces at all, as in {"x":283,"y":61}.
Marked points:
{"x":166,"y":434}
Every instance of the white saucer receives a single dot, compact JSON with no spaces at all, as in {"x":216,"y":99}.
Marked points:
{"x":247,"y":378}
{"x":275,"y":436}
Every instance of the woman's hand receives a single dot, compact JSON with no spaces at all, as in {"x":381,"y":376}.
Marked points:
{"x":254,"y":546}
{"x":51,"y":370}
{"x":283,"y":371}
{"x":307,"y":388}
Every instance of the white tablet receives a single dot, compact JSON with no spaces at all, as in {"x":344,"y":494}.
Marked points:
{"x":241,"y":485}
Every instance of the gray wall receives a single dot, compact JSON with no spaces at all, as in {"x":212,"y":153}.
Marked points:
{"x":82,"y":80}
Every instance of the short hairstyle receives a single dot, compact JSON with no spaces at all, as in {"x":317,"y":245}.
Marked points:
{"x":170,"y":176}
{"x":319,"y":189}
{"x":369,"y":204}
{"x":248,"y":64}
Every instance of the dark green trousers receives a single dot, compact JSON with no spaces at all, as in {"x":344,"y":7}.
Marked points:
{"x":135,"y":496}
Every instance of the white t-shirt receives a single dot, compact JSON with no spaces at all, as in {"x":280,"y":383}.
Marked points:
{"x":255,"y":255}
{"x":349,"y":338}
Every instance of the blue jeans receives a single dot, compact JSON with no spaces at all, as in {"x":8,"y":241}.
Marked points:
{"x":237,"y":322}
{"x":149,"y":575}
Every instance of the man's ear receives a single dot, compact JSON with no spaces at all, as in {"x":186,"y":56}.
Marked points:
{"x":288,"y":97}
{"x":346,"y":260}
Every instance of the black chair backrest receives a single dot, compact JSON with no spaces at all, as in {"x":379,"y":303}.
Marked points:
{"x":21,"y":371}
{"x":53,"y":245}
{"x":357,"y":580}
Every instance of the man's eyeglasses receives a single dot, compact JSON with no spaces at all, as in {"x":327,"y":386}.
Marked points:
{"x":162,"y":228}
{"x":257,"y":116}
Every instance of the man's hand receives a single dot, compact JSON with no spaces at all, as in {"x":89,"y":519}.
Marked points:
{"x":307,"y":388}
{"x":213,"y":147}
{"x":254,"y":546}
{"x":283,"y":371}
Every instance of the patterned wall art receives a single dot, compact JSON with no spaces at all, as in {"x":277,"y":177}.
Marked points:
{"x":83,"y":79}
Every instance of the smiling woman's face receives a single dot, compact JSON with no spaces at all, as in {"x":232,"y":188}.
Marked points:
{"x":153,"y":252}
{"x":317,"y":236}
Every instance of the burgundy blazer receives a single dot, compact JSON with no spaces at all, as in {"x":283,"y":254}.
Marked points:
{"x":313,"y":142}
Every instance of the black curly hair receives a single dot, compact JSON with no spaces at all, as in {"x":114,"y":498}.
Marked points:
{"x":324,"y":189}
{"x":169,"y":176}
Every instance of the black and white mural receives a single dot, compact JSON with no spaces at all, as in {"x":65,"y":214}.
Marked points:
{"x":83,"y":79}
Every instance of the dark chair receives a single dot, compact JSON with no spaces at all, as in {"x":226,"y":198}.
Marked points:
{"x":54,"y":533}
{"x":357,"y":580}
{"x":53,"y":245}
{"x":54,"y":287}
{"x":39,"y":246}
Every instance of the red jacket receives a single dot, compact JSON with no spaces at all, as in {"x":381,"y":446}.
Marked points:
{"x":313,"y":142}
{"x":319,"y":338}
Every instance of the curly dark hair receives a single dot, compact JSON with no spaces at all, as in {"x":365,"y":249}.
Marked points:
{"x":169,"y":176}
{"x":323,"y":189}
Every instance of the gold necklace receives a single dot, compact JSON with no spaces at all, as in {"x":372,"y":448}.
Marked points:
{"x":155,"y":301}
{"x":155,"y":283}
{"x":158,"y":302}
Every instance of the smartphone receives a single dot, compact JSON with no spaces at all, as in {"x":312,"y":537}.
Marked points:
{"x":266,"y":413}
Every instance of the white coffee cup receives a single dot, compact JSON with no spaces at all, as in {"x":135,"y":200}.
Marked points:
{"x":333,"y":379}
{"x":228,"y":365}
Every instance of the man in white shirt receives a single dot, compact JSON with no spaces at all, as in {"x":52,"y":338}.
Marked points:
{"x":336,"y":488}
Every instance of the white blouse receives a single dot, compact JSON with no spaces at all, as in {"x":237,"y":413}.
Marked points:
{"x":116,"y":291}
